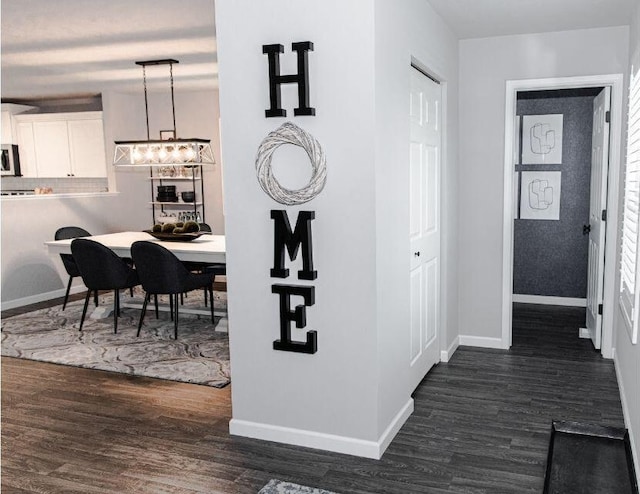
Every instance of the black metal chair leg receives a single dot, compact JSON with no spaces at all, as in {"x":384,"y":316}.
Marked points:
{"x":213,"y":319}
{"x":155,"y":299}
{"x":116,"y":310}
{"x":175,"y":320}
{"x":66,"y":295}
{"x":95,"y":297}
{"x":171,"y":304}
{"x":144,"y":309}
{"x":84,"y":310}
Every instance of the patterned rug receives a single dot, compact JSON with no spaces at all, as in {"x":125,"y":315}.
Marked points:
{"x":200,"y":355}
{"x":279,"y":487}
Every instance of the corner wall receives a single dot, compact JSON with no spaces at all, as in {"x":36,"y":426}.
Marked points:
{"x":404,"y":31}
{"x":485,"y":66}
{"x":627,"y":356}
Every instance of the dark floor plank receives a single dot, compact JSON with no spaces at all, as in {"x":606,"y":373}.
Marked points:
{"x":481,"y":425}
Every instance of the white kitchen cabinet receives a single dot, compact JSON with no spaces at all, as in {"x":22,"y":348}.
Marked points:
{"x":61,"y":145}
{"x":27,"y":149}
{"x":51,"y":141}
{"x":86,"y":146}
{"x":7,"y":131}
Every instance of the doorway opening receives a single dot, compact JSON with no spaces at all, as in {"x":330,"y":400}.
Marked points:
{"x":549,"y":252}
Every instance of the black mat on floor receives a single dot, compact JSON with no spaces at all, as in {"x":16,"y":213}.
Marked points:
{"x":588,"y":459}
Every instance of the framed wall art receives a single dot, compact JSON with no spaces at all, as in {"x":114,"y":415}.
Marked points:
{"x":540,"y":195}
{"x":542,"y":139}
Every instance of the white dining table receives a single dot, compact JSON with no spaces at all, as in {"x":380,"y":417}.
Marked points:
{"x":206,"y":248}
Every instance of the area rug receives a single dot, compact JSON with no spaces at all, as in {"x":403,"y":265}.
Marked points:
{"x":585,"y":458}
{"x":279,"y":487}
{"x":200,"y":355}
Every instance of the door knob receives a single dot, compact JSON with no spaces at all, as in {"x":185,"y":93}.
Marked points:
{"x":416,"y":254}
{"x":586,"y":229}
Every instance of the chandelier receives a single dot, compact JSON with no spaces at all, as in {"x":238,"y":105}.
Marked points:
{"x":172,"y":151}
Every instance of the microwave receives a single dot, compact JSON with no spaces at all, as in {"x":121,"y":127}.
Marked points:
{"x":10,"y":160}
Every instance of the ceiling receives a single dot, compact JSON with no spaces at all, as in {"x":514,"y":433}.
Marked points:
{"x":74,"y":47}
{"x":82,"y":47}
{"x":485,"y":18}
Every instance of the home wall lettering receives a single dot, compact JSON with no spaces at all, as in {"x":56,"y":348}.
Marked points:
{"x":301,"y":78}
{"x":285,"y":239}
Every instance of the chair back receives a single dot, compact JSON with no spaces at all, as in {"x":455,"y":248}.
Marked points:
{"x":71,"y":232}
{"x":159,"y":269}
{"x":100,"y":267}
{"x":67,"y":259}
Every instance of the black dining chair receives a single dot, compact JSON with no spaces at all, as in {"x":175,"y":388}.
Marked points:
{"x":102,"y":269}
{"x":70,"y":265}
{"x":215,"y":269}
{"x":162,"y":273}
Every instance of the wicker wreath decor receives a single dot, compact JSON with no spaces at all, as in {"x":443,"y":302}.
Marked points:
{"x":289,"y":133}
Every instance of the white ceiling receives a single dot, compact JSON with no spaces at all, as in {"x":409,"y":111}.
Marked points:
{"x":78,"y":47}
{"x":485,"y":18}
{"x":63,"y":47}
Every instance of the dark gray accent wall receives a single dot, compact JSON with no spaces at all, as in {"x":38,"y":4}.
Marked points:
{"x":550,"y":257}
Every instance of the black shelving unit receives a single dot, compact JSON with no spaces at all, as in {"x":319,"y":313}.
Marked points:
{"x":175,"y":175}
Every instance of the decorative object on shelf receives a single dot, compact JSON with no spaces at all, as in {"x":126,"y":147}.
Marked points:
{"x":167,"y":193}
{"x":289,"y":133}
{"x":188,"y":196}
{"x":166,"y":150}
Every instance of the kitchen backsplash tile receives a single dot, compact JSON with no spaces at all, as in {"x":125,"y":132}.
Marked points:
{"x":58,"y":185}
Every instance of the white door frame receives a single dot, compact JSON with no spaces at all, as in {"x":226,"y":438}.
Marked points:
{"x":616,"y":81}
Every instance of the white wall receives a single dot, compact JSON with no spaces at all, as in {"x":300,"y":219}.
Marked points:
{"x":346,"y":395}
{"x":404,"y":30}
{"x":334,"y":391}
{"x":627,"y":356}
{"x":485,"y":65}
{"x":29,"y":274}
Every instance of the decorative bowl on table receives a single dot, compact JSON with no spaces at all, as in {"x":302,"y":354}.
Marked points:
{"x":174,"y":237}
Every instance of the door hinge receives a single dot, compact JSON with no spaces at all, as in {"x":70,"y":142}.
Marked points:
{"x":607,"y":116}
{"x":600,"y":309}
{"x":604,"y":215}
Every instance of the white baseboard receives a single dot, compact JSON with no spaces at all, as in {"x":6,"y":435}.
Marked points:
{"x":584,"y":333}
{"x":480,"y":341}
{"x":326,"y":442}
{"x":445,"y":355}
{"x":541,"y":299}
{"x":625,"y":413}
{"x":40,"y":297}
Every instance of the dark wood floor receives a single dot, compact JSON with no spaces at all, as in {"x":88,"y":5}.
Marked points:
{"x":481,"y":425}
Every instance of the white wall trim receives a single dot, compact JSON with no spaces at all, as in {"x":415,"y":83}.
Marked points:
{"x":40,"y":297}
{"x":481,"y":342}
{"x":626,"y":414}
{"x":445,"y":355}
{"x":318,"y":440}
{"x":543,"y":299}
{"x":616,"y":81}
